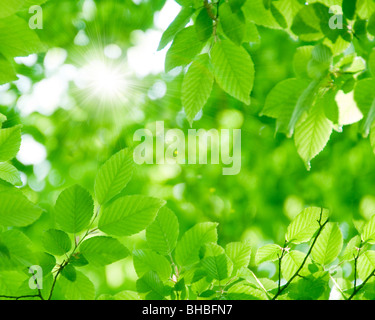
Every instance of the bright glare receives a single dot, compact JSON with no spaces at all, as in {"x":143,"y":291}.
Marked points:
{"x":104,"y":81}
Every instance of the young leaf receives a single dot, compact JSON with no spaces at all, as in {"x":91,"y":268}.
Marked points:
{"x":74,"y":209}
{"x":69,"y":272}
{"x":7,"y":72}
{"x":17,"y":39}
{"x":233,"y":69}
{"x":102,"y":250}
{"x":233,"y":24}
{"x":255,"y":11}
{"x":163,"y":233}
{"x":15,"y":250}
{"x":216,"y":263}
{"x":10,"y":174}
{"x":203,"y":25}
{"x":187,"y":250}
{"x":12,"y":201}
{"x":147,"y":260}
{"x":364,"y":95}
{"x":11,"y":7}
{"x":278,"y":17}
{"x":282,"y":100}
{"x":185,"y":47}
{"x":328,"y":246}
{"x":10,"y":142}
{"x":269,"y":252}
{"x":366,"y":264}
{"x":368,"y":233}
{"x":80,"y":289}
{"x":352,"y":249}
{"x":56,"y":242}
{"x":236,"y":5}
{"x":239,"y":253}
{"x":306,"y":224}
{"x":197,"y":86}
{"x":177,"y":25}
{"x":151,"y":284}
{"x":113,"y":176}
{"x":129,"y":215}
{"x":301,"y":59}
{"x":292,"y":262}
{"x":313,"y":134}
{"x":245,"y":291}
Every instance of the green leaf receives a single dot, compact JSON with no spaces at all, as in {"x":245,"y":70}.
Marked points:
{"x":187,"y":250}
{"x":203,"y":25}
{"x":306,"y":24}
{"x":129,"y":215}
{"x":301,"y":60}
{"x":348,"y":8}
{"x":216,"y":263}
{"x":282,"y":100}
{"x":312,"y":287}
{"x":113,"y":176}
{"x":233,"y":24}
{"x":102,"y":250}
{"x":80,"y":289}
{"x":292,"y":262}
{"x":17,"y":39}
{"x":3,"y":118}
{"x":10,"y":281}
{"x":304,"y":104}
{"x":251,"y":33}
{"x":78,"y":260}
{"x":365,"y":8}
{"x":269,"y":252}
{"x":177,"y":25}
{"x":366,"y":264}
{"x":313,"y":134}
{"x":74,"y":209}
{"x":321,"y":58}
{"x":185,"y":3}
{"x":10,"y":142}
{"x":255,"y":11}
{"x":7,"y":72}
{"x":185,"y":47}
{"x":10,"y":7}
{"x":197,"y":86}
{"x":127,"y":295}
{"x":147,"y":260}
{"x":364,"y":95}
{"x":56,"y":242}
{"x":15,"y":250}
{"x":368,"y":233}
{"x":69,"y":272}
{"x":233,"y":69}
{"x":163,"y":233}
{"x":328,"y":246}
{"x":352,"y":249}
{"x":151,"y":284}
{"x":278,"y":17}
{"x":236,"y":5}
{"x":245,"y":291}
{"x":239,"y":253}
{"x":10,"y":174}
{"x":306,"y":224}
{"x":12,"y":201}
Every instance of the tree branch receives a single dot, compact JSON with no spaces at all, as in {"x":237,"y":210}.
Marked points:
{"x":321,"y":227}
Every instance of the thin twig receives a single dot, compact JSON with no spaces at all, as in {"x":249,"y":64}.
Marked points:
{"x":321,"y":227}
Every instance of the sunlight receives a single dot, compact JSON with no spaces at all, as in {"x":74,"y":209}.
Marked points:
{"x":104,"y":81}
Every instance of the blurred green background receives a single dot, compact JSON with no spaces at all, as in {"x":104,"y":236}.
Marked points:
{"x":68,"y":135}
